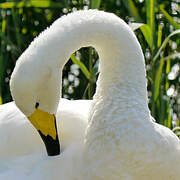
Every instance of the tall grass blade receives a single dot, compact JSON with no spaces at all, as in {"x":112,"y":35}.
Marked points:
{"x":95,"y":4}
{"x":0,"y":99}
{"x":169,"y":18}
{"x":169,"y":124}
{"x":165,"y":112}
{"x":31,"y":3}
{"x":168,"y":69}
{"x":150,"y":16}
{"x":3,"y":26}
{"x":158,"y":80}
{"x":90,"y":89}
{"x":81,"y":3}
{"x":1,"y":77}
{"x":16,"y":25}
{"x":85,"y":92}
{"x":2,"y":44}
{"x":95,"y":70}
{"x":133,"y":11}
{"x":165,"y":43}
{"x":145,"y":29}
{"x":159,"y":40}
{"x":81,"y":66}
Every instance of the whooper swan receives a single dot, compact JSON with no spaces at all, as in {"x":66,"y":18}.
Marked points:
{"x":121,"y":140}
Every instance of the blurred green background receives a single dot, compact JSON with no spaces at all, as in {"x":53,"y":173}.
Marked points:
{"x":22,"y":21}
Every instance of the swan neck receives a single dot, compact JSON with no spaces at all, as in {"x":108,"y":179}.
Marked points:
{"x":121,"y":58}
{"x":121,"y":64}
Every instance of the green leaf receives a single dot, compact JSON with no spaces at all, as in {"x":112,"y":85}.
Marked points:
{"x":95,"y":4}
{"x":165,"y":114}
{"x":0,"y":99}
{"x":168,"y":69}
{"x":2,"y":33}
{"x":145,"y":29}
{"x":1,"y":77}
{"x":16,"y":25}
{"x":3,"y":28}
{"x":31,"y":3}
{"x":81,"y":66}
{"x":158,"y":80}
{"x":165,"y":43}
{"x":159,"y":41}
{"x":133,"y":11}
{"x":90,"y":89}
{"x":150,"y":16}
{"x":169,"y":116}
{"x":169,"y":18}
{"x":95,"y":70}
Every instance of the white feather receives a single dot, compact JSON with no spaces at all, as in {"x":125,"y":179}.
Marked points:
{"x":121,"y":140}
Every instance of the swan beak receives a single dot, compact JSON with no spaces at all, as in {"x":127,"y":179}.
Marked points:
{"x":45,"y":123}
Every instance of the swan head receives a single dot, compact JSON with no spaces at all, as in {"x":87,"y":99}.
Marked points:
{"x":35,"y":89}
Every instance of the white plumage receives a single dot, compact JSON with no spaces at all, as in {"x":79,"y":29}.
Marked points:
{"x":121,"y":140}
{"x":22,"y":149}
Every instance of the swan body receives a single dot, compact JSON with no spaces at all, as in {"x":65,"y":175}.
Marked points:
{"x":21,"y":148}
{"x":121,"y":141}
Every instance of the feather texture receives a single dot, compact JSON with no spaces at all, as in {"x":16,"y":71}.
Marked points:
{"x":120,"y":141}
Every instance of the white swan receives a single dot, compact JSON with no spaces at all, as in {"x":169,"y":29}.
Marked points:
{"x":121,"y":140}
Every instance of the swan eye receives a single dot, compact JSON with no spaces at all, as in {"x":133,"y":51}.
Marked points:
{"x":36,"y":105}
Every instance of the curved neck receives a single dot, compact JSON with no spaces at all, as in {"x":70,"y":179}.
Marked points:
{"x":122,"y":68}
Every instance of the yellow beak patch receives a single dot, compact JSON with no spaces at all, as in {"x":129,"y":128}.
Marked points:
{"x":44,"y":122}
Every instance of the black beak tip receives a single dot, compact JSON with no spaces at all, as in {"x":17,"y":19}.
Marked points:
{"x":52,"y":146}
